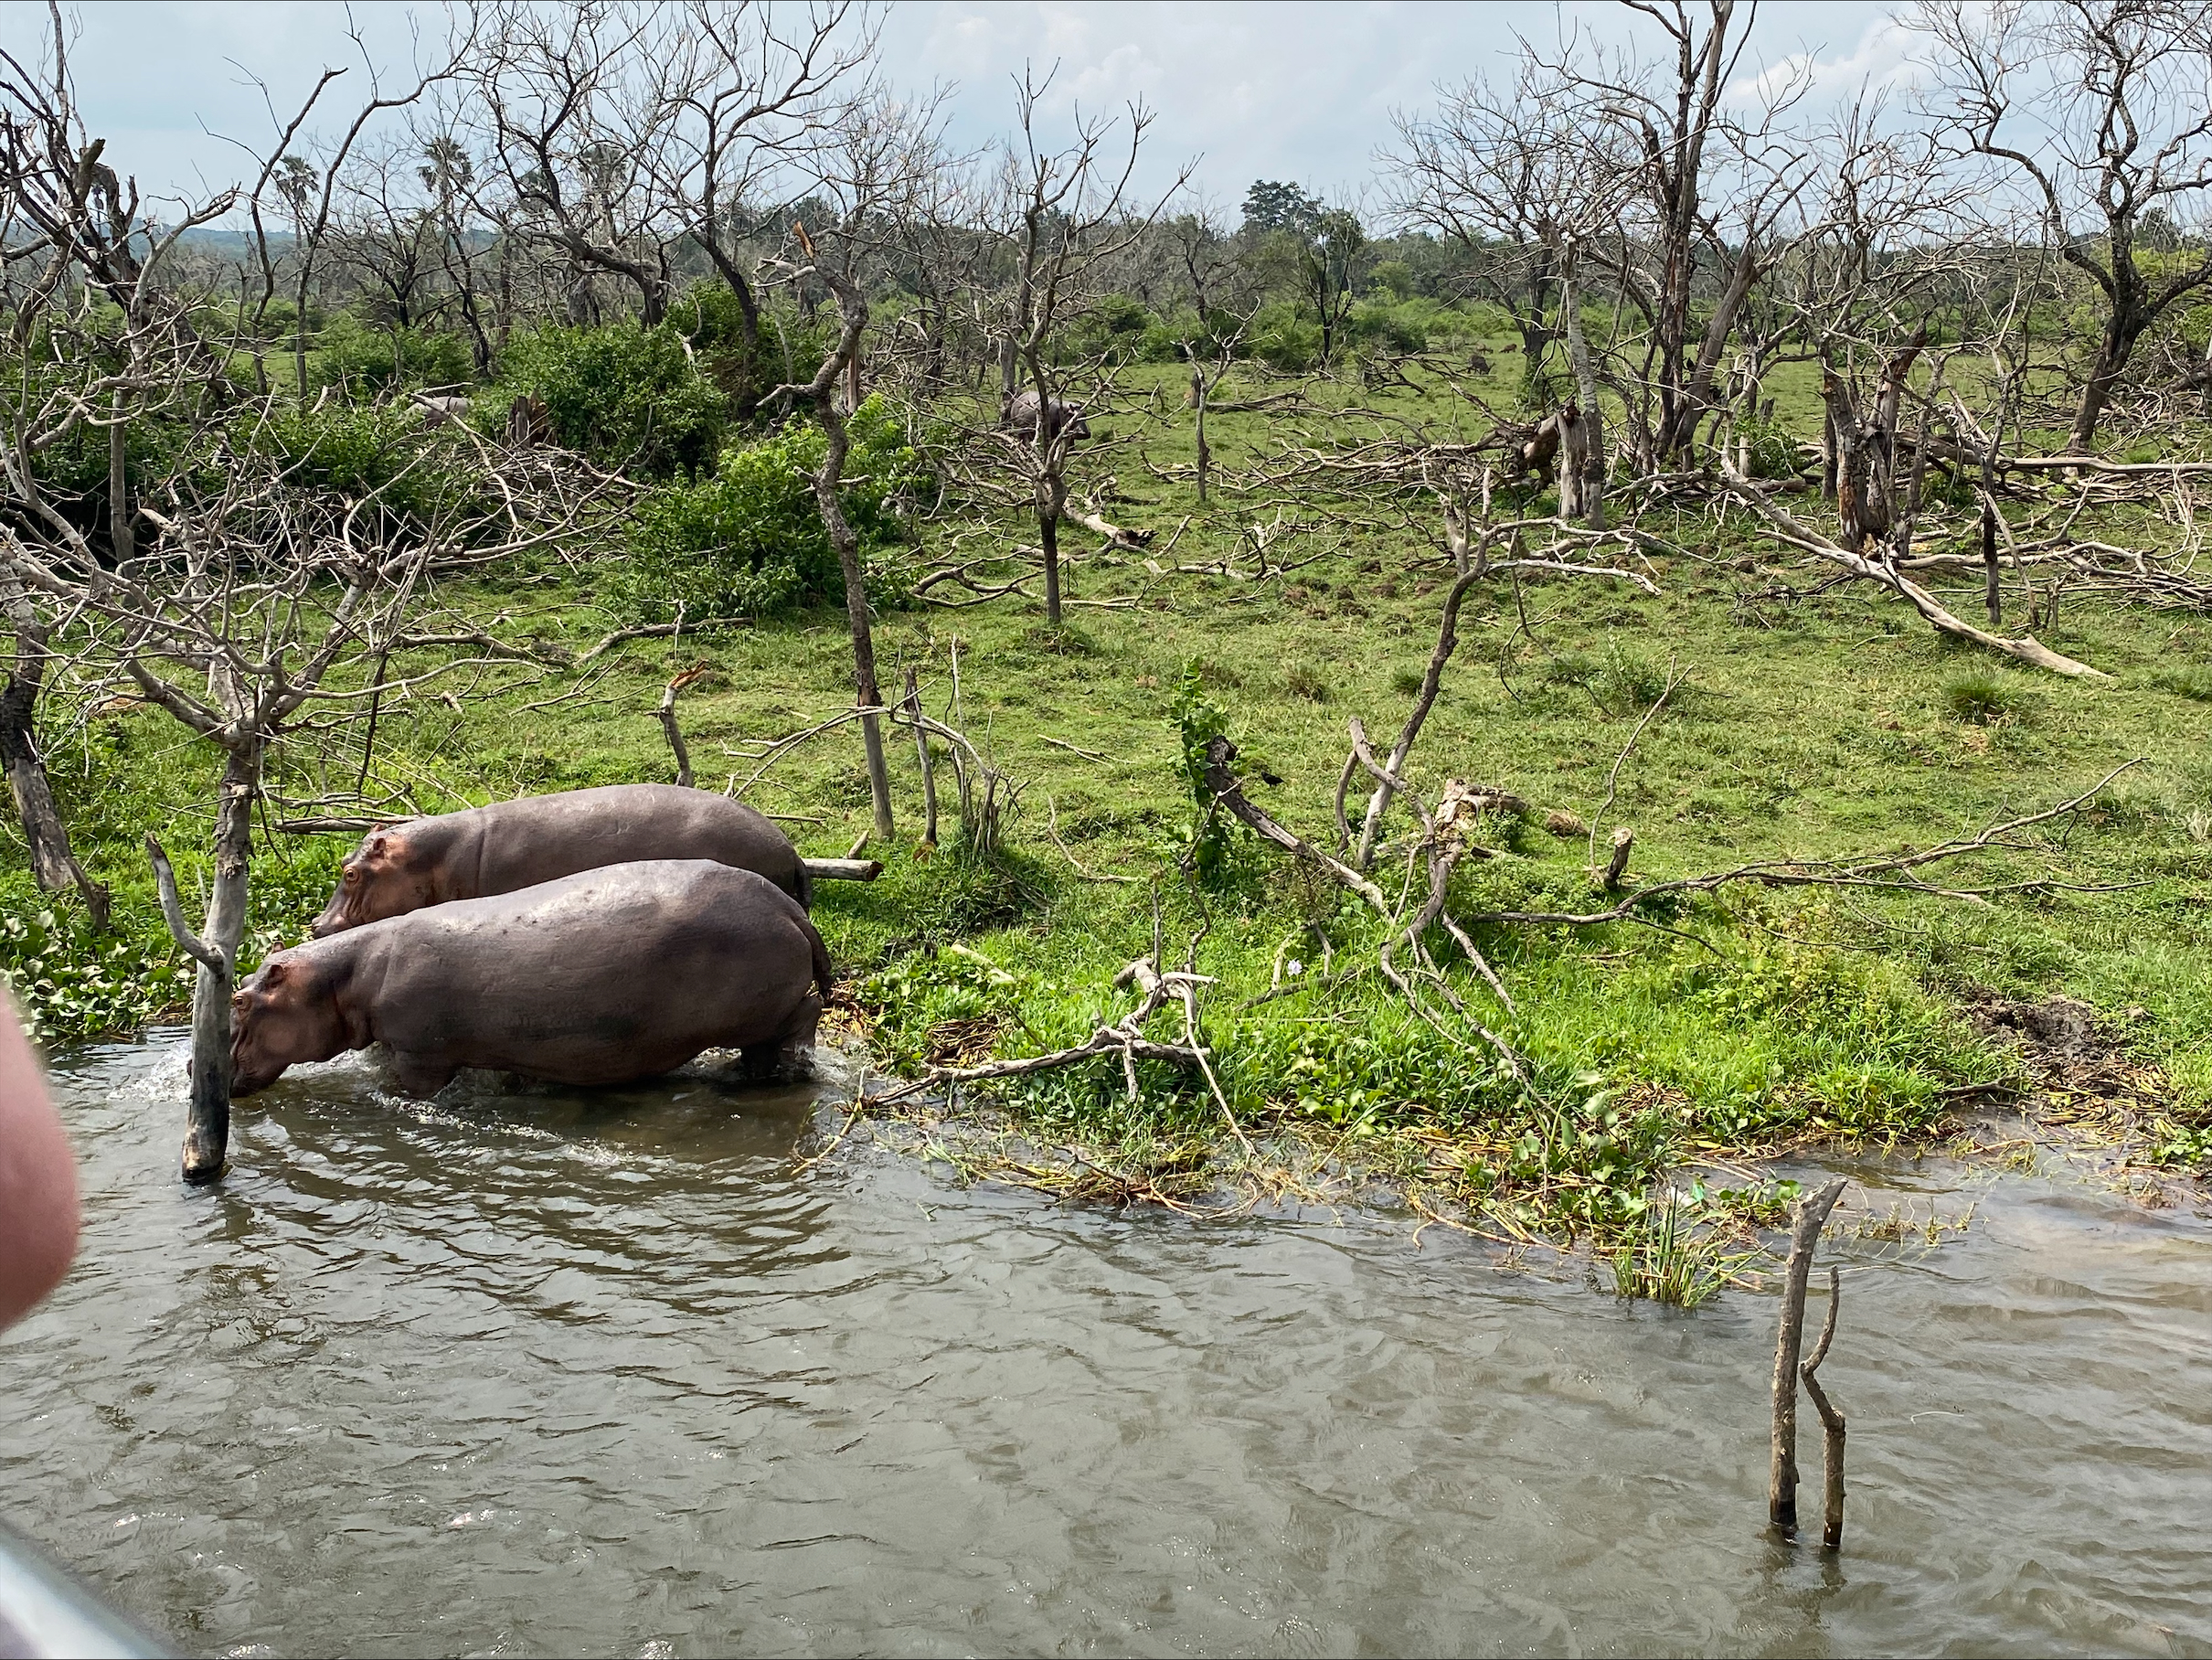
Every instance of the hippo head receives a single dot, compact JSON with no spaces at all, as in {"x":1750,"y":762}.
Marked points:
{"x":388,"y":876}
{"x":284,"y":1015}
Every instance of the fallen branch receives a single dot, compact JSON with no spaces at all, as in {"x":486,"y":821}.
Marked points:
{"x":843,"y":870}
{"x":1124,"y":1036}
{"x":2026,"y":649}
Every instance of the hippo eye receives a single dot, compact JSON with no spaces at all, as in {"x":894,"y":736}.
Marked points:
{"x":351,"y":877}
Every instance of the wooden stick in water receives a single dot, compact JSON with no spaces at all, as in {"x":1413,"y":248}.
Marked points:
{"x":1832,"y":1421}
{"x":1804,"y":1233}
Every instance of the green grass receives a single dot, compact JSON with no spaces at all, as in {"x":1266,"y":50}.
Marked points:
{"x":1828,"y":723}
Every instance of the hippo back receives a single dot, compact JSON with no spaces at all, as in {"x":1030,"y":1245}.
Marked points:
{"x":540,"y":838}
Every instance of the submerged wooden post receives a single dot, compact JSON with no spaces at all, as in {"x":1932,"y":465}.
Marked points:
{"x":208,"y":1121}
{"x":1804,"y":1233}
{"x":1832,"y":1421}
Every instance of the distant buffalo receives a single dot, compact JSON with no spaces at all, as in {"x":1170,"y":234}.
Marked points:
{"x":1060,"y":416}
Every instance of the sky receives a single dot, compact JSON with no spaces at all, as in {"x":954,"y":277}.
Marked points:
{"x":1301,"y":91}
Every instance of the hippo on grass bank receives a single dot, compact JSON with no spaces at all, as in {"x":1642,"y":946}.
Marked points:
{"x":513,"y":845}
{"x":600,"y":978}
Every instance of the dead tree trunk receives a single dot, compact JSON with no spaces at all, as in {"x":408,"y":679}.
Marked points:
{"x":1051,"y":497}
{"x":1993,"y":595}
{"x":1865,"y":485}
{"x":1197,"y":404}
{"x":928,"y":771}
{"x":853,"y":315}
{"x":1582,"y":454}
{"x":53,"y":861}
{"x":215,"y":948}
{"x":119,"y":484}
{"x":1832,"y":1423}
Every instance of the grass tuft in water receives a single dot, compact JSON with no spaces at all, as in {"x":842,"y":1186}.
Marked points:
{"x":1664,"y":1258}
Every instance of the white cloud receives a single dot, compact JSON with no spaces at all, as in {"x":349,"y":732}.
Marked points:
{"x":1294,"y":90}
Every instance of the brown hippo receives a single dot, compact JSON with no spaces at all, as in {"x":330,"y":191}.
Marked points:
{"x":602,"y":977}
{"x":512,"y":845}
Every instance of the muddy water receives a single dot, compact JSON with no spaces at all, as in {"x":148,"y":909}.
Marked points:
{"x":603,"y":1374}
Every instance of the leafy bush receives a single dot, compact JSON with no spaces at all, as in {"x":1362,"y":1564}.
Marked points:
{"x":629,"y":397}
{"x":789,"y":348}
{"x":749,"y":540}
{"x":352,"y":355}
{"x":1114,"y":330}
{"x":69,"y":983}
{"x":352,"y":450}
{"x":1773,"y":452}
{"x":1374,"y":326}
{"x":1283,"y":340}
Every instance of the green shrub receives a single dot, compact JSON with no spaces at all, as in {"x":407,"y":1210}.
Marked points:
{"x":1984,"y":696}
{"x":1773,"y":452}
{"x":748,"y":538}
{"x":1114,"y":330}
{"x":1283,"y":340}
{"x":1387,"y":328}
{"x":352,"y":355}
{"x":791,"y":346}
{"x":353,"y":449}
{"x":629,"y":397}
{"x":1196,"y":719}
{"x":71,"y":983}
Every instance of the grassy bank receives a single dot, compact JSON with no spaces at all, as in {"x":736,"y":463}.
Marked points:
{"x":1809,"y":721}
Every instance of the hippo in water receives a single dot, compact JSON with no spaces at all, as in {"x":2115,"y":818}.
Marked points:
{"x":1021,"y":416}
{"x":603,"y":977}
{"x":512,"y":845}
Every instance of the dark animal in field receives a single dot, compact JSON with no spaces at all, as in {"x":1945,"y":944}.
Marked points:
{"x":512,"y":845}
{"x":1060,"y":416}
{"x":1478,"y":362}
{"x":600,"y":978}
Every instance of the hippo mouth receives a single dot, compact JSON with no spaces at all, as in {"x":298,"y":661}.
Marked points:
{"x":252,"y":1083}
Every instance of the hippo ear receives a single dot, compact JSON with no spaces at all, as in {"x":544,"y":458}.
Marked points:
{"x":275,"y":973}
{"x":377,"y":849}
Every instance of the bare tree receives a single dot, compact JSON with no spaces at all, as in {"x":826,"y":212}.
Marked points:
{"x":84,"y":235}
{"x":883,"y":156}
{"x":2103,"y":109}
{"x":1058,"y":216}
{"x":751,"y":98}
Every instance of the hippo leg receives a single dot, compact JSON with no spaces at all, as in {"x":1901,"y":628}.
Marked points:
{"x":786,"y":1054}
{"x":421,"y":1078}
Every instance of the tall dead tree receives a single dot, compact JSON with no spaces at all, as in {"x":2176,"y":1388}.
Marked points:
{"x":753,"y":92}
{"x":1059,"y":217}
{"x":869,"y":173}
{"x":2102,"y":109}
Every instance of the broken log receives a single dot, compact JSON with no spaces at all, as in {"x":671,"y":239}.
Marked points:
{"x":843,"y":870}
